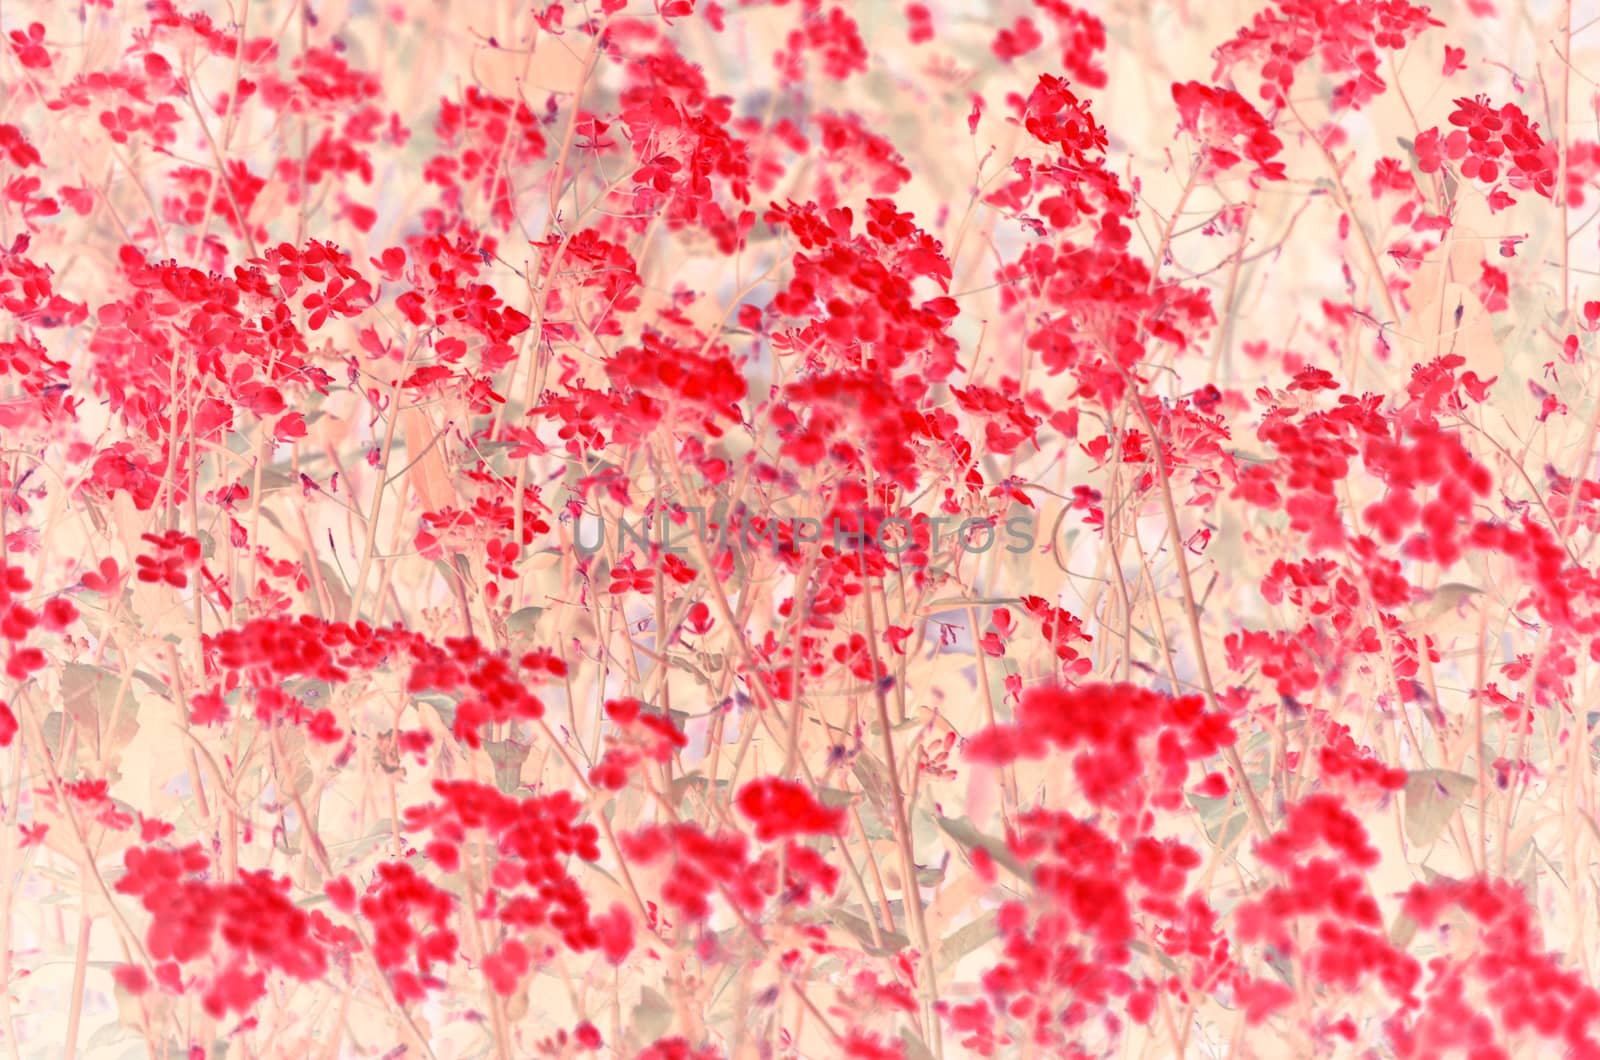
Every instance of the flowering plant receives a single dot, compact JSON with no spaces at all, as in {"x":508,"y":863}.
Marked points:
{"x":689,"y":529}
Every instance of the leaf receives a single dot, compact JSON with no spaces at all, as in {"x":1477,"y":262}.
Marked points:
{"x":691,"y":669}
{"x":112,"y":1033}
{"x":54,"y":724}
{"x":874,"y":779}
{"x":278,"y":477}
{"x":1432,"y":798}
{"x":681,"y":786}
{"x":443,"y":706}
{"x":353,"y":849}
{"x":338,"y":592}
{"x":966,"y":833}
{"x":965,"y":939}
{"x":430,"y":477}
{"x":1447,"y":600}
{"x":507,"y":756}
{"x":834,"y":796}
{"x":523,"y":620}
{"x":296,"y":761}
{"x":1222,"y":827}
{"x":1144,"y":949}
{"x":916,"y":1049}
{"x":314,"y":694}
{"x":861,"y":931}
{"x":652,"y":1016}
{"x":88,"y":693}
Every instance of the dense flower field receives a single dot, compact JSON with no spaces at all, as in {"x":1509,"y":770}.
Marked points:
{"x":692,"y":529}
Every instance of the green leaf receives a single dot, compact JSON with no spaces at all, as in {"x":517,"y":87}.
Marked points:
{"x":1404,"y":928}
{"x":874,"y":779}
{"x":443,"y":706}
{"x":652,"y":1016}
{"x":507,"y":756}
{"x":1432,"y":798}
{"x":965,"y":939}
{"x":1222,"y":827}
{"x":278,"y":477}
{"x":296,"y":760}
{"x":682,"y":786}
{"x":110,"y":1035}
{"x":89,"y":693}
{"x":916,"y":1049}
{"x":966,"y":833}
{"x":54,"y":726}
{"x":524,"y":619}
{"x":1144,"y":949}
{"x":861,"y":931}
{"x":834,"y":796}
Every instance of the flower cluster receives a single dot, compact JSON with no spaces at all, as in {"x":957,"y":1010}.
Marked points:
{"x":687,"y":529}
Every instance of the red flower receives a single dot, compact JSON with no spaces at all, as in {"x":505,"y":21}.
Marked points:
{"x":1229,"y":130}
{"x":131,"y":978}
{"x":784,"y":808}
{"x":1488,"y":142}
